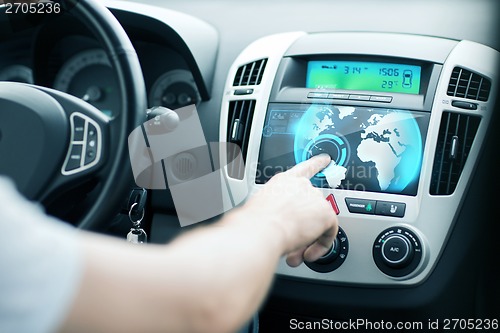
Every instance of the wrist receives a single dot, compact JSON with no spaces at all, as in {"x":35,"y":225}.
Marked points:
{"x":265,"y":225}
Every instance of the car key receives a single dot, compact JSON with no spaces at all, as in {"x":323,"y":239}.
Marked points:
{"x":136,"y":235}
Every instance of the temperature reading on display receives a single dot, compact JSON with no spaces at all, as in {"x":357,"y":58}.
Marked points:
{"x":370,"y":76}
{"x":389,"y":84}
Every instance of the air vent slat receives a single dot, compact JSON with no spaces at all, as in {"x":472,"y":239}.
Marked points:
{"x":238,"y":132}
{"x":466,"y":84}
{"x":250,"y":74}
{"x":465,"y":146}
{"x":456,"y":136}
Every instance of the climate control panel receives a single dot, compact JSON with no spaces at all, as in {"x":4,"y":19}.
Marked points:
{"x":397,"y":252}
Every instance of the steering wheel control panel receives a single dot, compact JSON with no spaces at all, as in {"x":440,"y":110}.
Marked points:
{"x":402,"y":117}
{"x":86,"y":144}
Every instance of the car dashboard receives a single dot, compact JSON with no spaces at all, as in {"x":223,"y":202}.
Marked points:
{"x":403,"y":97}
{"x":399,"y":174}
{"x":70,"y":60}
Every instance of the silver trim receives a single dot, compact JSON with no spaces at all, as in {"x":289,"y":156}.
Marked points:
{"x":454,"y":147}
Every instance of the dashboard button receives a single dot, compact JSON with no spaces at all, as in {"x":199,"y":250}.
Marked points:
{"x":464,"y":105}
{"x":382,"y":99}
{"x":242,"y":92}
{"x":317,"y":95}
{"x":333,"y":203}
{"x":386,"y":208}
{"x":359,"y":97}
{"x":338,"y":96}
{"x":361,"y":206}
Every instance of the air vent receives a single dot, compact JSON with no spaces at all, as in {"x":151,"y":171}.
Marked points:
{"x":250,"y":74}
{"x":456,"y":134}
{"x":238,"y":132}
{"x":465,"y":84}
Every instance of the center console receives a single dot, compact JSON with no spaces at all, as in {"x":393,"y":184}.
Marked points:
{"x":403,"y":118}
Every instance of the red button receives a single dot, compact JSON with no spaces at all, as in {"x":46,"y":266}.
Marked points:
{"x":331,"y":200}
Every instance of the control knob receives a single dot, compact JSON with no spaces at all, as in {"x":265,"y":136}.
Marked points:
{"x":397,"y":251}
{"x":334,"y":257}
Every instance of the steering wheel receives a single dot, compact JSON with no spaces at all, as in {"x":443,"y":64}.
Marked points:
{"x":52,"y":142}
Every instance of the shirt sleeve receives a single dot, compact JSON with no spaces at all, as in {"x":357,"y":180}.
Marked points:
{"x":41,"y":264}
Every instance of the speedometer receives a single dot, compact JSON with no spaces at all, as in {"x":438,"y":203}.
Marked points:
{"x":89,"y":76}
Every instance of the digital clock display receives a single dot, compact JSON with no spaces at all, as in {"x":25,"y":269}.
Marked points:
{"x":357,"y":75}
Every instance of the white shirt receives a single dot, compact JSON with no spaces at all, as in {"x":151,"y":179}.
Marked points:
{"x":41,"y":266}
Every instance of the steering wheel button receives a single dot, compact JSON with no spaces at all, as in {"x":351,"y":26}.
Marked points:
{"x":74,"y":158}
{"x":91,"y":132}
{"x":78,"y":126}
{"x":90,"y":156}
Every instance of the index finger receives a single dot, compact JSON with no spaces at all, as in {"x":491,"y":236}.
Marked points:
{"x":310,"y":167}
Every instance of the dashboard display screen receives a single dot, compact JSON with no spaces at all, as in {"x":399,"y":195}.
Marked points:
{"x":372,"y":149}
{"x":355,"y":75}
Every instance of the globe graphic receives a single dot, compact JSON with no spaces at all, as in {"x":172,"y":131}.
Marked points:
{"x":380,"y":149}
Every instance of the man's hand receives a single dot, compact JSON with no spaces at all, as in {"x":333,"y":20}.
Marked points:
{"x":194,"y":283}
{"x":303,"y":216}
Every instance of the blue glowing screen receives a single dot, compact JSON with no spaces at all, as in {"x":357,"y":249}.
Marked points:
{"x":372,"y":149}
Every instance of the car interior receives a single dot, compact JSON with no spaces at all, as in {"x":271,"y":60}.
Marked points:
{"x":401,"y":94}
